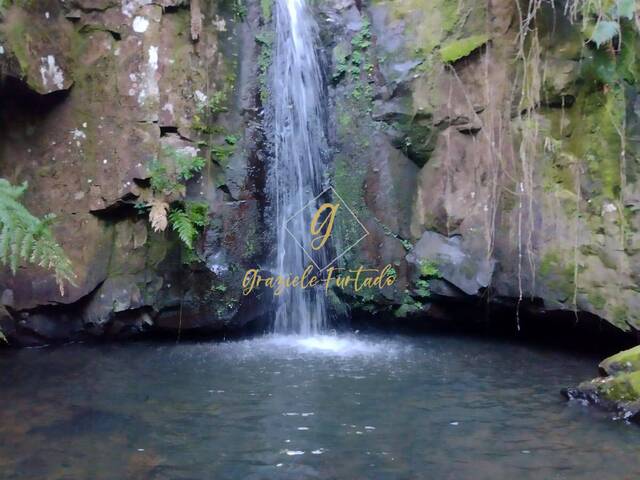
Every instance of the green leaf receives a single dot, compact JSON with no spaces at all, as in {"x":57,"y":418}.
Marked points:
{"x":183,"y":225}
{"x":198,"y":213}
{"x":231,"y":139}
{"x":604,"y":32}
{"x":625,"y":8}
{"x":25,"y":238}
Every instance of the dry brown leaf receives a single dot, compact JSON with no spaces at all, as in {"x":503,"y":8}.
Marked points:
{"x":158,"y":215}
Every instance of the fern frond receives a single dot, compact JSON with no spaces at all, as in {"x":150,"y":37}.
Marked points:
{"x":183,"y":225}
{"x":198,"y":212}
{"x":26,"y":238}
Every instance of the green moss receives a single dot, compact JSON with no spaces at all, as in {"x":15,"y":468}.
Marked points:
{"x":18,"y":39}
{"x":417,"y":139}
{"x":157,"y":248}
{"x":450,"y":14}
{"x":427,"y":24}
{"x":341,"y":63}
{"x":265,"y":6}
{"x":349,"y":183}
{"x":597,"y":301}
{"x":459,"y":49}
{"x":359,"y":64}
{"x":624,"y":387}
{"x":558,"y":273}
{"x":429,"y":269}
{"x":344,"y":119}
{"x":625,"y":361}
{"x":251,"y":242}
{"x":599,"y":116}
{"x":239,"y":10}
{"x":362,"y":39}
{"x":222,"y":153}
{"x":409,"y":306}
{"x":627,"y":62}
{"x":265,"y":59}
{"x":621,"y":315}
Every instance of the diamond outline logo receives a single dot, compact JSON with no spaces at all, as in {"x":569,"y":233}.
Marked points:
{"x":312,"y":201}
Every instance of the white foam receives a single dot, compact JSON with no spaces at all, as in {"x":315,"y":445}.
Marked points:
{"x":331,"y":345}
{"x":294,"y":452}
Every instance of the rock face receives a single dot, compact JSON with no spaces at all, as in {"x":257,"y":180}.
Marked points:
{"x":618,"y":389}
{"x":509,"y":161}
{"x":91,"y":93}
{"x":487,"y":165}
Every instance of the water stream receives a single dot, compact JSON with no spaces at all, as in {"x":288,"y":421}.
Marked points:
{"x":299,"y":144}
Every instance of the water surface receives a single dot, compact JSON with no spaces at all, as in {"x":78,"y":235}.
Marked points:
{"x":287,"y":408}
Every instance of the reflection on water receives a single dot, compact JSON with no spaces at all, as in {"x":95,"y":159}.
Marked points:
{"x":347,"y":407}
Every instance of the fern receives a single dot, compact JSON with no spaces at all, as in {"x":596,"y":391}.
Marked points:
{"x":198,"y":212}
{"x":183,"y":225}
{"x":188,"y":166}
{"x":28,"y":239}
{"x":161,"y":181}
{"x":189,"y":221}
{"x":168,"y":187}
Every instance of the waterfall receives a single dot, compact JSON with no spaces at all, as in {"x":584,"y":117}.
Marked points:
{"x":299,"y":143}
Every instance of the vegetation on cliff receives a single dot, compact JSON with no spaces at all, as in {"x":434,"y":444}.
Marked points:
{"x":165,"y":202}
{"x":25,"y":238}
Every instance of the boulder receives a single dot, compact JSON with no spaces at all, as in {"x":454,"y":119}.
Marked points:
{"x":623,"y":362}
{"x":462,"y":268}
{"x":618,"y":389}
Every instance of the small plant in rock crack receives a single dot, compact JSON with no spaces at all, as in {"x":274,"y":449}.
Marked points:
{"x":428,"y":270}
{"x":239,"y":10}
{"x":164,"y":201}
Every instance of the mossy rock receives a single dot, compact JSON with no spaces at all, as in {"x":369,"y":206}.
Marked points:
{"x":619,"y":391}
{"x":616,"y":389}
{"x":623,"y":362}
{"x":459,"y":49}
{"x":416,"y":139}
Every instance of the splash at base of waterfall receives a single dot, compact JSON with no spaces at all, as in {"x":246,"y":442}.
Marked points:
{"x":338,"y":345}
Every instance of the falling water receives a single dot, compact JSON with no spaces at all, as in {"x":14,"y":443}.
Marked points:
{"x":299,"y":144}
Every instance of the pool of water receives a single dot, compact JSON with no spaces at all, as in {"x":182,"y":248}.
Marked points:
{"x":351,"y":407}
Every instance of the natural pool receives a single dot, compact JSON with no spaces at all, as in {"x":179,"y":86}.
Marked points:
{"x":350,"y":407}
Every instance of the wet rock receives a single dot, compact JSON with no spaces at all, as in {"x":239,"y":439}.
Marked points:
{"x":130,"y":72}
{"x":618,"y":389}
{"x":618,"y":393}
{"x":48,"y":328}
{"x":115,"y":295}
{"x":559,"y":87}
{"x":466,"y":270}
{"x":40,"y":40}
